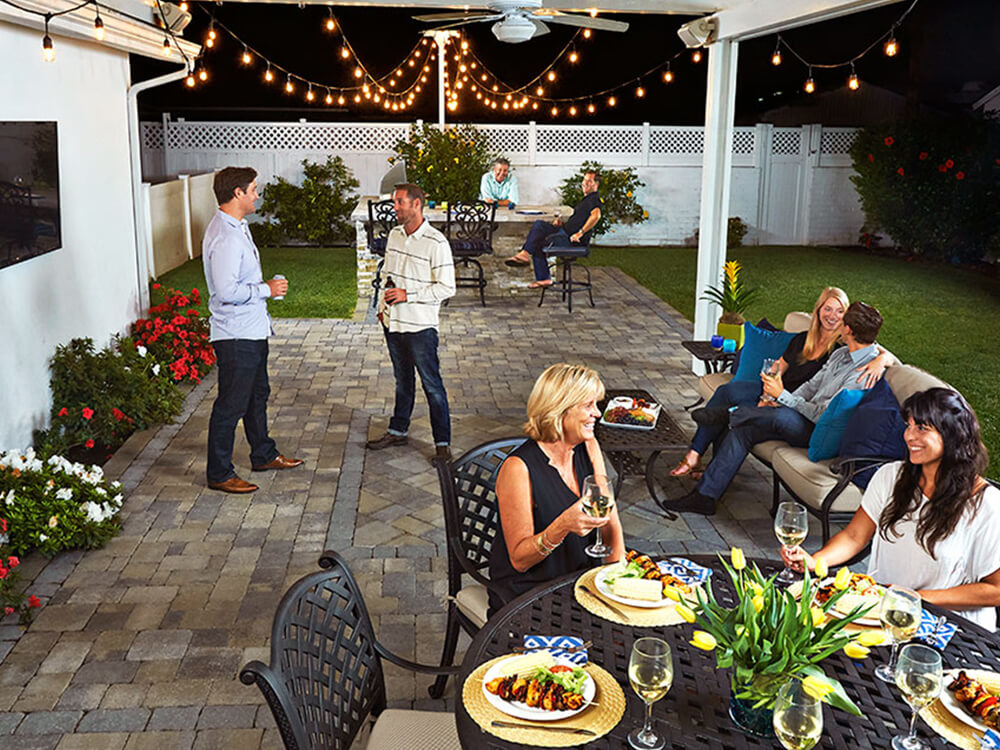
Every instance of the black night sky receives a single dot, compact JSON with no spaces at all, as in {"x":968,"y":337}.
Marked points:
{"x":948,"y":59}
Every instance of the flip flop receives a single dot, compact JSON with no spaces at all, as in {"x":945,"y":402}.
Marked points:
{"x":694,"y":472}
{"x":516,"y":262}
{"x":539,"y":284}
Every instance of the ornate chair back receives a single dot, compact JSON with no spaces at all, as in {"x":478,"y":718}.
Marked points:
{"x":381,"y":220}
{"x":470,"y":226}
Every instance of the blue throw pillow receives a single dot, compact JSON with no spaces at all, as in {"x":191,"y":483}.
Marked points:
{"x":758,"y":345}
{"x":825,"y":440}
{"x":875,"y":429}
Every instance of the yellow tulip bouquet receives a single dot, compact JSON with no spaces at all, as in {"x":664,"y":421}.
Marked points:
{"x":770,"y":637}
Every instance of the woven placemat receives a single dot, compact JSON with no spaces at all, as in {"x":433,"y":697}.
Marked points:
{"x":957,"y":732}
{"x":600,"y":718}
{"x":642,"y":616}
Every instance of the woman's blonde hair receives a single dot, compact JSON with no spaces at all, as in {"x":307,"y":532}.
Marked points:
{"x":811,"y":348}
{"x":557,"y":390}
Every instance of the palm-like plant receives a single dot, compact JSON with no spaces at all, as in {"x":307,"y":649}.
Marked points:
{"x":734,"y":297}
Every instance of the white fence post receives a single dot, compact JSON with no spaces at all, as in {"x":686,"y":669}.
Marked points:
{"x":644,"y":158}
{"x":186,"y":182}
{"x":762,"y":162}
{"x":532,"y":142}
{"x":811,"y":139}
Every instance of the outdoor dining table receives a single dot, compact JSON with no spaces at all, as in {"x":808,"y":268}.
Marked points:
{"x":523,"y":214}
{"x":695,"y":713}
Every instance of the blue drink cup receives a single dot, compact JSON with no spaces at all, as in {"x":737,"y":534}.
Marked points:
{"x":716,"y":342}
{"x":729,"y":345}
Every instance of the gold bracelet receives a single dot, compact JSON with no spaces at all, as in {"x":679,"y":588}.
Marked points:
{"x":545,"y":540}
{"x":542,"y":549}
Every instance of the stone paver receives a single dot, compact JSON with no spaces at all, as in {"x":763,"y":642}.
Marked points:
{"x":140,"y":643}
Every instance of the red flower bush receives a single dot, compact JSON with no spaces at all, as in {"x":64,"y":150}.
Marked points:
{"x":959,"y":175}
{"x":889,"y":140}
{"x":923,"y":156}
{"x":900,"y":172}
{"x":12,"y":599}
{"x":177,"y":336}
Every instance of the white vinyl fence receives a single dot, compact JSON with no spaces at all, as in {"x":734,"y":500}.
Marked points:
{"x":790,"y":185}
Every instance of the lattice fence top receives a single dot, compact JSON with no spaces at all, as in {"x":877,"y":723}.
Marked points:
{"x":598,"y":140}
{"x":786,"y":142}
{"x":676,"y":140}
{"x":151,"y":135}
{"x":837,"y":140}
{"x":251,"y":136}
{"x":511,"y":139}
{"x":743,"y":141}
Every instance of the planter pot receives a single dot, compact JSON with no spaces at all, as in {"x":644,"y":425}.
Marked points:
{"x":756,"y":722}
{"x":731,"y":331}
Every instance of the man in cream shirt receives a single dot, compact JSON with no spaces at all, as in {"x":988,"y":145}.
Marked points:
{"x":419,"y":275}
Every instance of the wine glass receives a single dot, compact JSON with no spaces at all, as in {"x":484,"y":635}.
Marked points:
{"x":798,"y":717}
{"x":900,"y":614}
{"x":598,"y":499}
{"x":767,"y":369}
{"x":918,"y":675}
{"x":651,"y":673}
{"x":791,"y":526}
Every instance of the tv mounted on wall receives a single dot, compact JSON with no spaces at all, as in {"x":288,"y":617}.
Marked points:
{"x":29,"y":191}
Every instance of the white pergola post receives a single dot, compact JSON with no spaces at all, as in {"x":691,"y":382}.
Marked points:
{"x":720,"y":105}
{"x":441,"y":40}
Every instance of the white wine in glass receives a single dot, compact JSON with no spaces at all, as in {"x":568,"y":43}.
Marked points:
{"x":899,"y":612}
{"x":919,"y":677}
{"x":651,"y":673}
{"x":798,"y":717}
{"x":791,"y":526}
{"x":598,"y":498}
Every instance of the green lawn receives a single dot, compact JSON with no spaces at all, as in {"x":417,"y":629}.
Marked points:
{"x":321,"y":281}
{"x":934,"y":313}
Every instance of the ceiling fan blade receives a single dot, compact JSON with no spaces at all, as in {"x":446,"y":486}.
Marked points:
{"x":568,"y":19}
{"x":475,"y":19}
{"x":434,"y":17}
{"x":540,"y":28}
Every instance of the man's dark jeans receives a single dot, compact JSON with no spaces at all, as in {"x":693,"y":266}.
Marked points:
{"x":418,"y":352}
{"x":542,"y":235}
{"x":243,"y":392}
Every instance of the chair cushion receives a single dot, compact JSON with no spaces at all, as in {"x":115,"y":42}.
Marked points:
{"x":758,"y":345}
{"x":575,"y":251}
{"x":396,"y":729}
{"x":812,"y":481}
{"x":707,"y":384}
{"x":376,"y":246}
{"x":905,"y":380}
{"x":765,"y":451}
{"x":470,"y":248}
{"x":874,"y":429}
{"x":473,"y":602}
{"x":825,"y":439}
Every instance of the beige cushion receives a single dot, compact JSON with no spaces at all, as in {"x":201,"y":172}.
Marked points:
{"x":797,"y":322}
{"x":812,"y":481}
{"x":397,"y":729}
{"x":765,"y":451}
{"x":905,"y":380}
{"x":708,"y":383}
{"x":473,"y":601}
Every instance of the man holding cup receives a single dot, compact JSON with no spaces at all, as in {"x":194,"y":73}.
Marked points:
{"x":240,"y":326}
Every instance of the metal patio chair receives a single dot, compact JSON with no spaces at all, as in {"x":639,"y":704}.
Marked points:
{"x":469,"y":228}
{"x":563,"y":282}
{"x":381,"y":220}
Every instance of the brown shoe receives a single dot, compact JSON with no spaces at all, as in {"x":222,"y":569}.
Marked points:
{"x":280,"y":463}
{"x":386,"y":441}
{"x":443,"y":452}
{"x":234,"y":485}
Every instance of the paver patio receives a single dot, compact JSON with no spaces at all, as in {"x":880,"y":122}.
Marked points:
{"x":140,"y":643}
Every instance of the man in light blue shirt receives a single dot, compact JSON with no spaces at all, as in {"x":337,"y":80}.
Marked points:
{"x":499,"y":185}
{"x":787,"y":416}
{"x":240,"y":326}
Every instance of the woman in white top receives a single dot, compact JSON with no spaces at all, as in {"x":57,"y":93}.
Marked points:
{"x":933,"y":521}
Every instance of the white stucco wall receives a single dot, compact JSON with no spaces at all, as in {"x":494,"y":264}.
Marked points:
{"x":88,"y":287}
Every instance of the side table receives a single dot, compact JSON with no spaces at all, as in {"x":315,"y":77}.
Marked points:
{"x":715,"y":360}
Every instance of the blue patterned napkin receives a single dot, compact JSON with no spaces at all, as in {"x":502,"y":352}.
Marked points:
{"x":684,"y":570}
{"x":535,"y":642}
{"x":941,"y":637}
{"x":990,"y":740}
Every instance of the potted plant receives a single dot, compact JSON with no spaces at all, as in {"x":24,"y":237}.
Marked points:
{"x":770,"y":637}
{"x":735,"y":298}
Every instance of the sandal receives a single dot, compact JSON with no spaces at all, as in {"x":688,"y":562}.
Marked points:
{"x":683,"y":468}
{"x":515,"y":262}
{"x":539,"y":284}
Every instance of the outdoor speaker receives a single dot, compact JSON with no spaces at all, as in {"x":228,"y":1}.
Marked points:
{"x":699,"y":32}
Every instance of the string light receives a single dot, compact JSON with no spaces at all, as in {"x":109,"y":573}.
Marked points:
{"x":552,"y":75}
{"x":776,"y":57}
{"x":246,"y":59}
{"x":891,"y":47}
{"x":572,"y":111}
{"x":289,"y":88}
{"x":190,"y":80}
{"x":268,"y":75}
{"x":48,"y":51}
{"x":344,"y":53}
{"x":210,"y":39}
{"x":183,"y":7}
{"x":852,"y":80}
{"x":329,"y":97}
{"x":554,"y":111}
{"x":330,"y":23}
{"x":99,"y":24}
{"x":696,"y":56}
{"x":668,"y":74}
{"x":310,"y":96}
{"x":612,"y":101}
{"x":586,"y":33}
{"x":166,"y":46}
{"x":591,"y":108}
{"x":640,"y":92}
{"x":810,"y":86}
{"x":540,"y":91}
{"x":202,"y":73}
{"x":573,"y":56}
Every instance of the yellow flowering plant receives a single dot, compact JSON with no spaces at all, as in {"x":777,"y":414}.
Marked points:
{"x":769,"y":636}
{"x":447,"y":164}
{"x":734,"y":296}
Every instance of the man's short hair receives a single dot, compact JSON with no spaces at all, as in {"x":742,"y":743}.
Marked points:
{"x":864,"y":321}
{"x":227,"y":180}
{"x":597,"y":176}
{"x":501,"y":160}
{"x":413,"y":192}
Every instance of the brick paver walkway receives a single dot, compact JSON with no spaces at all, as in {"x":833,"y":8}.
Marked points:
{"x":140,"y":643}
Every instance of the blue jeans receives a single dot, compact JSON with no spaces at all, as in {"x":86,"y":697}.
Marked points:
{"x":243,"y":392}
{"x":542,"y":235}
{"x":733,"y":393}
{"x":749,"y":425}
{"x":418,"y":352}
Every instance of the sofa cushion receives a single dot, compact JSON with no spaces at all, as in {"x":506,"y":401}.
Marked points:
{"x":763,"y":324}
{"x":765,"y":451}
{"x":707,"y":384}
{"x":875,"y":429}
{"x":905,"y":380}
{"x":812,"y":481}
{"x":825,"y":439}
{"x":759,"y":345}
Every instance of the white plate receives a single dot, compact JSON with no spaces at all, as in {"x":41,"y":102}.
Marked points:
{"x":605,"y":588}
{"x":628,"y":402}
{"x":523,"y":711}
{"x":956,"y":709}
{"x":795,"y":590}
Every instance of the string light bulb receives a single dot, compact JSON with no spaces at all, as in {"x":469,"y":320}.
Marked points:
{"x":310,"y":96}
{"x":166,"y":46}
{"x":190,"y":80}
{"x":245,"y":58}
{"x":540,"y":91}
{"x":891,"y":47}
{"x":340,"y":99}
{"x":48,"y":51}
{"x":810,"y":86}
{"x":776,"y":57}
{"x":554,"y":111}
{"x":612,"y":101}
{"x":330,"y":23}
{"x":573,"y":56}
{"x":586,"y":33}
{"x":640,"y":92}
{"x":358,"y":73}
{"x":572,"y":111}
{"x":329,"y":97}
{"x":289,"y":87}
{"x":852,"y":80}
{"x":591,"y":109}
{"x":98,"y":25}
{"x":202,"y":74}
{"x":268,"y":75}
{"x":344,"y":53}
{"x":696,"y":56}
{"x":552,"y":75}
{"x":668,"y":74}
{"x":210,"y":39}
{"x":183,"y":7}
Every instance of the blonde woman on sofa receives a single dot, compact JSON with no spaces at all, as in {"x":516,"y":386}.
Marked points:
{"x":933,"y":520}
{"x":805,"y":355}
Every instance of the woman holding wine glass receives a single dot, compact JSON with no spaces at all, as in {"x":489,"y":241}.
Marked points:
{"x":933,"y":521}
{"x":544,"y":519}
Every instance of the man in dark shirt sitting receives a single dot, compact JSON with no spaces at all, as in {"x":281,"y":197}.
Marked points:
{"x":574,"y":231}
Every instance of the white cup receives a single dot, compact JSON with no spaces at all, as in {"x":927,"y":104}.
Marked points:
{"x":278,"y":276}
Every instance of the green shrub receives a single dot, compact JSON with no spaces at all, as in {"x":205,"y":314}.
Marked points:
{"x":447,"y":164}
{"x":932,"y":185}
{"x":736,"y":230}
{"x":102,"y":397}
{"x":618,"y":189}
{"x":266,"y":234}
{"x":318,"y":211}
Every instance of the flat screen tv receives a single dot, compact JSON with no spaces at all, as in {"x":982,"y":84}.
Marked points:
{"x":29,"y":191}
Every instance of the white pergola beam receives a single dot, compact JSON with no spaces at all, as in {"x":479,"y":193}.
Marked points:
{"x":753,"y":18}
{"x":682,"y":7}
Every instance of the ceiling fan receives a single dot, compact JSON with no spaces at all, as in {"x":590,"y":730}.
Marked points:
{"x":521,"y":20}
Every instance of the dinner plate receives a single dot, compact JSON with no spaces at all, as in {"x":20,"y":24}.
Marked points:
{"x":627,"y":402}
{"x":951,"y":703}
{"x":523,"y":711}
{"x":871,"y":620}
{"x":605,"y":588}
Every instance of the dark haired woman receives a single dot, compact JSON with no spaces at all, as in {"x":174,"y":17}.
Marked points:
{"x":933,"y":521}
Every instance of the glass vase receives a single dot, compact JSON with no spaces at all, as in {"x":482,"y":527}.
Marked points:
{"x":756,"y":722}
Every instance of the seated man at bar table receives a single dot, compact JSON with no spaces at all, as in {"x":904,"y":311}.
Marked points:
{"x":575,"y":231}
{"x":499,"y":185}
{"x":543,"y":526}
